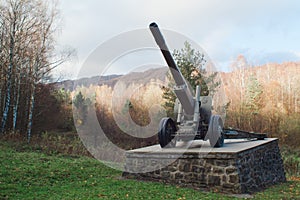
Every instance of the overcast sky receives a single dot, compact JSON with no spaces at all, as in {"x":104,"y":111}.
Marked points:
{"x":262,"y":30}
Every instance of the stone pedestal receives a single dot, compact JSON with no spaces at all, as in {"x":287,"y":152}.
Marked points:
{"x":241,"y":166}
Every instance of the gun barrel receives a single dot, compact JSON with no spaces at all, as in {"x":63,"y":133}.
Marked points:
{"x":179,"y":80}
{"x":181,"y":90}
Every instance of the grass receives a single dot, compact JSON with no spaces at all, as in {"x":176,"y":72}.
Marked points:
{"x":291,"y":160}
{"x":31,"y":174}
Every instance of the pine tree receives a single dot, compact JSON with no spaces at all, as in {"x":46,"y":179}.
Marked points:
{"x":254,"y":92}
{"x":192,"y":66}
{"x":81,"y":108}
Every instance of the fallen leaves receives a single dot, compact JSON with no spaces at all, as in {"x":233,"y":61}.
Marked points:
{"x":294,"y":178}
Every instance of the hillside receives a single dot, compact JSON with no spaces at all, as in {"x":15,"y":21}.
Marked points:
{"x":284,"y":77}
{"x":86,"y":82}
{"x":278,"y":84}
{"x":262,"y":98}
{"x":110,"y":80}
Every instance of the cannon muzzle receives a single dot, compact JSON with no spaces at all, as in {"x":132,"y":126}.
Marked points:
{"x":159,"y":39}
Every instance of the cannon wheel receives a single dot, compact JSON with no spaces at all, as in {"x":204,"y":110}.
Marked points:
{"x":166,"y":133}
{"x":216,"y":133}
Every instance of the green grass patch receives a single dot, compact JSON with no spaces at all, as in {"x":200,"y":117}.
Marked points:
{"x":291,"y":160}
{"x":31,"y":174}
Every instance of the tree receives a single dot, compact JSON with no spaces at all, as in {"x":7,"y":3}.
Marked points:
{"x":26,"y":57}
{"x":254,"y":92}
{"x":192,"y":66}
{"x":81,"y":104}
{"x":240,"y":68}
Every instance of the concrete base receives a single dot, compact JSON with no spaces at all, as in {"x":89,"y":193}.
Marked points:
{"x":241,"y":166}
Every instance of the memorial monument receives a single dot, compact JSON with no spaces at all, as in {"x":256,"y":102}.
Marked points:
{"x":193,"y":151}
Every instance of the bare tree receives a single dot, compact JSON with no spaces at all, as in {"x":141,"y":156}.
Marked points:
{"x":27,"y":58}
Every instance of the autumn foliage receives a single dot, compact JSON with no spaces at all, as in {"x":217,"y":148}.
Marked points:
{"x":264,"y":99}
{"x":258,"y":98}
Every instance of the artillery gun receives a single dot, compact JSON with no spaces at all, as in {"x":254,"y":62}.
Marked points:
{"x":194,"y":112}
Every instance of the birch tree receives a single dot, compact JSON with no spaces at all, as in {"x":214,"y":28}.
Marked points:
{"x":27,"y":56}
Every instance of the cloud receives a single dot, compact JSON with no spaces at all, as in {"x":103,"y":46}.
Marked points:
{"x":222,"y":28}
{"x":280,"y":57}
{"x":297,"y":54}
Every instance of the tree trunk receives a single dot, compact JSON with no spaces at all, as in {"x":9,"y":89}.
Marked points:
{"x":9,"y":79}
{"x":16,"y":106}
{"x":30,"y":112}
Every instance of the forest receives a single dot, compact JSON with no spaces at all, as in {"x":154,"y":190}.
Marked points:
{"x":257,"y":98}
{"x":27,"y":57}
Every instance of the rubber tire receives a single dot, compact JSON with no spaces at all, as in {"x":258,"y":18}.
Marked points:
{"x":216,"y":133}
{"x":166,"y":132}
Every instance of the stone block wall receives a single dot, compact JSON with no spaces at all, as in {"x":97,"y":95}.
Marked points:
{"x":241,"y":172}
{"x":260,"y":167}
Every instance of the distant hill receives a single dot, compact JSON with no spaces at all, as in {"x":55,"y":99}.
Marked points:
{"x":110,"y":80}
{"x":86,"y":82}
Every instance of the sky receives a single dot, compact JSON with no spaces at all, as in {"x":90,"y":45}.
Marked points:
{"x":261,"y":30}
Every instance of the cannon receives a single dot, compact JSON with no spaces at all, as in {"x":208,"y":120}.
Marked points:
{"x":194,"y":112}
